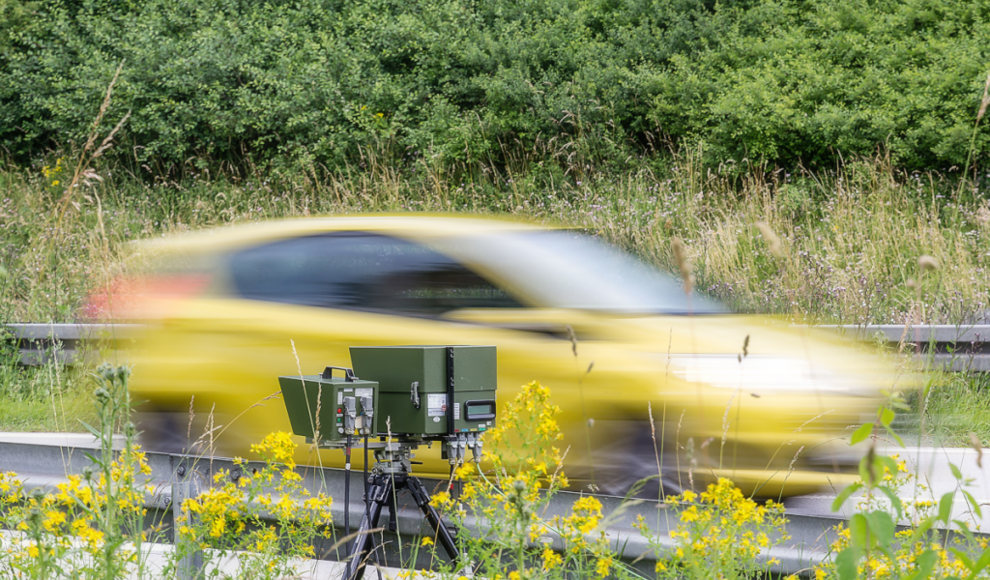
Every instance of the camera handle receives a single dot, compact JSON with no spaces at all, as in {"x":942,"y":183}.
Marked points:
{"x":348,"y":373}
{"x":414,"y":394}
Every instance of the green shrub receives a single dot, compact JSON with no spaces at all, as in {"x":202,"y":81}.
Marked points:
{"x":574,"y":83}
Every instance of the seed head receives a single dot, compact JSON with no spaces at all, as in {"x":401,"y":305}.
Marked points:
{"x":985,"y":101}
{"x":928,"y":263}
{"x":683,"y":264}
{"x":975,"y":443}
{"x":771,"y":238}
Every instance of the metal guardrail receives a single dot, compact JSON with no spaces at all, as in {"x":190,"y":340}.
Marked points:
{"x":44,"y":466}
{"x":955,"y":348}
{"x":42,"y":343}
{"x":943,"y":346}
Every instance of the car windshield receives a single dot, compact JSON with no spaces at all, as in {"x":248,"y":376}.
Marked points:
{"x":563,"y":269}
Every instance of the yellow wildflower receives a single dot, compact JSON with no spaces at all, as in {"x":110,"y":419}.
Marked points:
{"x":551,"y":559}
{"x":602,"y":566}
{"x":53,"y":520}
{"x":440,"y":500}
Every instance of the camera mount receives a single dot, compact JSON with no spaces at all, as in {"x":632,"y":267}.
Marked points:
{"x":393,"y":472}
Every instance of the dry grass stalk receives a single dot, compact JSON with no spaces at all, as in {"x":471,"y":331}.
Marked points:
{"x":192,"y":416}
{"x":260,"y":403}
{"x":683,"y":264}
{"x":573,"y":338}
{"x":771,"y":238}
{"x":656,"y":448}
{"x":985,"y":101}
{"x":83,"y":171}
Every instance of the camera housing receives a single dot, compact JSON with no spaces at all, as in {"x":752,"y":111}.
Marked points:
{"x":339,"y":406}
{"x":432,"y":391}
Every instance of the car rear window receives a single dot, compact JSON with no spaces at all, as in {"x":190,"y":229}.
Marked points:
{"x":361,"y":271}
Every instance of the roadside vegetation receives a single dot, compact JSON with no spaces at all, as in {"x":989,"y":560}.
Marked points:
{"x":581,"y":84}
{"x":848,"y":240}
{"x":263,"y":523}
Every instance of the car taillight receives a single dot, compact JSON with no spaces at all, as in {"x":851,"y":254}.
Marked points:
{"x":142,"y":297}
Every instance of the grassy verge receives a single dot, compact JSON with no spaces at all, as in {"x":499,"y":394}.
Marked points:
{"x":958,"y":406}
{"x":52,"y":397}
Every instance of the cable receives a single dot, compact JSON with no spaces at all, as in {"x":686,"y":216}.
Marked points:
{"x":347,"y":487}
{"x":367,"y":500}
{"x":367,"y":504}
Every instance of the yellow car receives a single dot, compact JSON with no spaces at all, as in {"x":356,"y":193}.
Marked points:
{"x":618,"y":344}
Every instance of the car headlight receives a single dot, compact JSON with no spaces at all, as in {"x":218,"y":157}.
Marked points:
{"x":757,"y":374}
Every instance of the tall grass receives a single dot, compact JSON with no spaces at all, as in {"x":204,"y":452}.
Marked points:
{"x":849,"y":238}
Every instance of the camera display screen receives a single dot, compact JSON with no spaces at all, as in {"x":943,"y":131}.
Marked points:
{"x":479,"y":410}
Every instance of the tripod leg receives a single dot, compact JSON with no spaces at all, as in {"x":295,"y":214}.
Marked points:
{"x":392,"y":523}
{"x":379,"y":492}
{"x":422,"y":499}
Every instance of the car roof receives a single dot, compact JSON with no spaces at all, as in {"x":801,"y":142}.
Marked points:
{"x":418,"y":226}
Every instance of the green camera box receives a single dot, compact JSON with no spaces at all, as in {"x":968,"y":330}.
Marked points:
{"x":413,"y":387}
{"x":303,"y":396}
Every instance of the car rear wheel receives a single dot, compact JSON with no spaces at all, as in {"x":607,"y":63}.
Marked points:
{"x":627,"y":461}
{"x":162,"y":431}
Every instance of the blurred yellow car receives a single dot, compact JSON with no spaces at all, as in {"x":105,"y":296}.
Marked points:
{"x":618,"y":343}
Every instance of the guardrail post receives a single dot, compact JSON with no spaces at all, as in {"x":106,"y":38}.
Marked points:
{"x":190,"y":565}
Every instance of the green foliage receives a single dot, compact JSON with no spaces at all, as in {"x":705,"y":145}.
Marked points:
{"x":92,"y":525}
{"x":930,"y":542}
{"x":576,"y":84}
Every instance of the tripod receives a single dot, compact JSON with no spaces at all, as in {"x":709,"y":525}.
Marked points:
{"x":391,"y":473}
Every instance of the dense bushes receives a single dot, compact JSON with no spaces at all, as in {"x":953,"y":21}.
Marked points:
{"x":572,"y":83}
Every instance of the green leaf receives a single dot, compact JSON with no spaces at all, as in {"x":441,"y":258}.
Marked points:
{"x":859,"y":532}
{"x":844,"y":495}
{"x":972,"y":503}
{"x":869,"y":470}
{"x":922,"y":528}
{"x":963,"y":528}
{"x":886,"y":416}
{"x":888,"y":462}
{"x":902,"y":406}
{"x":861,"y":434}
{"x":945,"y":507}
{"x":845,"y":564}
{"x":981,"y":563}
{"x":93,"y":430}
{"x":955,"y":471}
{"x":894,"y":500}
{"x":882,"y":527}
{"x":923,"y":565}
{"x":900,"y":442}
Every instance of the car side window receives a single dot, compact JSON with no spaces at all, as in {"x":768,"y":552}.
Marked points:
{"x":362,"y":271}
